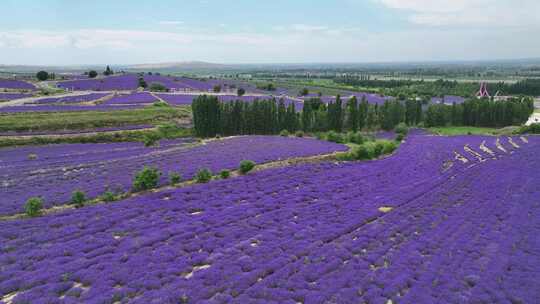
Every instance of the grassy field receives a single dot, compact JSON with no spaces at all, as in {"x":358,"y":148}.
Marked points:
{"x":90,"y":119}
{"x":452,"y":131}
{"x":145,"y":136}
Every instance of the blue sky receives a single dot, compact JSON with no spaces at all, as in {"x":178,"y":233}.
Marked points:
{"x":243,"y":31}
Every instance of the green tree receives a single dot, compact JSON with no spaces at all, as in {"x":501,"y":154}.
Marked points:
{"x":42,"y":75}
{"x":352,"y":114}
{"x":108,"y":71}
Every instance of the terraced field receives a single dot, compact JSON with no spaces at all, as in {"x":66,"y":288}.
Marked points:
{"x":444,"y":220}
{"x":54,"y":172}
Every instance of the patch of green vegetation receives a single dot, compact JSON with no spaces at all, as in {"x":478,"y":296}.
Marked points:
{"x":124,"y":136}
{"x":453,"y":131}
{"x":90,"y":119}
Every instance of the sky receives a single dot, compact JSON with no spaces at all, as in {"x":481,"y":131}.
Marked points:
{"x":76,"y":32}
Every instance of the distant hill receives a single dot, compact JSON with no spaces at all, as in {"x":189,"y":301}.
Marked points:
{"x":187,"y":65}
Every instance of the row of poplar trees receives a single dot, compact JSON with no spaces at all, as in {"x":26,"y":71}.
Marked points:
{"x":212,"y":117}
{"x":481,"y":113}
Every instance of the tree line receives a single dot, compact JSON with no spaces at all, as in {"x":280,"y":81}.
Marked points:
{"x":212,"y":117}
{"x":480,"y":113}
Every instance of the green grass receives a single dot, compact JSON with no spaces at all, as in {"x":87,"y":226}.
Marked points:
{"x":124,"y":136}
{"x":90,"y":119}
{"x":453,"y":131}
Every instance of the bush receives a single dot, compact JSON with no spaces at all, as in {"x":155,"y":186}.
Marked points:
{"x":364,"y":151}
{"x":532,"y":129}
{"x":169,"y":130}
{"x":160,"y":104}
{"x":299,"y":134}
{"x":284,"y":133}
{"x":78,"y":198}
{"x":158,"y":87}
{"x":174,"y":178}
{"x":33,"y":206}
{"x":334,"y":137}
{"x":389,"y":147}
{"x":240,"y":92}
{"x":108,"y":196}
{"x":151,"y":139}
{"x":400,"y":137}
{"x":92,"y":74}
{"x":147,"y":178}
{"x":401,"y":128}
{"x":356,"y":138}
{"x":378,"y":150}
{"x":203,"y":176}
{"x":246,"y":166}
{"x":224,"y":174}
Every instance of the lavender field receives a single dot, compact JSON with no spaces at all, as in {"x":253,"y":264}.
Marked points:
{"x":54,"y":172}
{"x":444,"y":220}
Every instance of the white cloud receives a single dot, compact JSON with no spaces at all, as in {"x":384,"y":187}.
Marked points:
{"x":305,"y":44}
{"x":488,"y":13}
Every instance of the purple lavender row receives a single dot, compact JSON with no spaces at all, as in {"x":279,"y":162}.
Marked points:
{"x":308,"y":234}
{"x":34,"y":171}
{"x":16,"y":84}
{"x":66,"y":108}
{"x":133,"y":98}
{"x":67,"y":132}
{"x":72,"y":99}
{"x":130,"y":82}
{"x":13,"y":96}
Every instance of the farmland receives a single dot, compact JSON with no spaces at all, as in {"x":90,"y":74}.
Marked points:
{"x":150,"y":188}
{"x":309,"y":233}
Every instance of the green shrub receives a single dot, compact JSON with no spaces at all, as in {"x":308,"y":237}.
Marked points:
{"x":160,"y":104}
{"x":168,"y":130}
{"x":365,"y":151}
{"x":378,"y":150}
{"x":345,"y":156}
{"x":284,"y":133}
{"x":246,"y":166}
{"x":174,"y":178}
{"x":532,"y":129}
{"x":401,"y":128}
{"x":78,"y":198}
{"x":224,"y":174}
{"x":203,"y":176}
{"x":158,"y":87}
{"x":400,"y":137}
{"x":389,"y":147}
{"x":33,"y":206}
{"x":355,"y":138}
{"x":334,"y":137}
{"x":108,"y":196}
{"x":147,"y":178}
{"x":299,"y":134}
{"x":151,"y":139}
